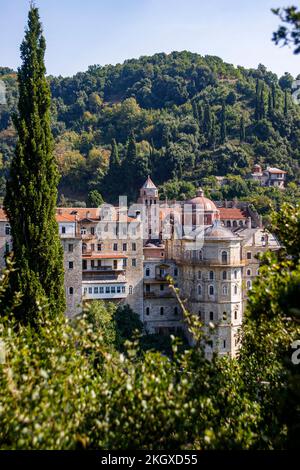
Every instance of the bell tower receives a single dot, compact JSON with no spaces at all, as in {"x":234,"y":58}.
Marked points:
{"x":149,"y":199}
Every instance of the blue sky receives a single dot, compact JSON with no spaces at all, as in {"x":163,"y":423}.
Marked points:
{"x":85,"y":32}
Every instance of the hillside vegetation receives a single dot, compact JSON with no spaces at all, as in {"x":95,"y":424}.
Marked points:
{"x":181,"y":117}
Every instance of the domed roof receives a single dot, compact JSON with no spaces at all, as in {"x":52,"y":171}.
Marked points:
{"x":206,"y":204}
{"x":218,"y":231}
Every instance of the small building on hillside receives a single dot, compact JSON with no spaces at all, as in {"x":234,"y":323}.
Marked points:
{"x":271,"y":176}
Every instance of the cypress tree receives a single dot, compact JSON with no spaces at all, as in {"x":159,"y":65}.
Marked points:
{"x":207,"y":122}
{"x":31,"y":190}
{"x":270,"y":104}
{"x":286,"y":107}
{"x":273,"y":96}
{"x":262,"y":112}
{"x":257,"y":101}
{"x":242,"y":130}
{"x":135,"y":168}
{"x":212,"y":137}
{"x":223,"y":132}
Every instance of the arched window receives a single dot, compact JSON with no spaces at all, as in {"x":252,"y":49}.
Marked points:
{"x":249,"y":284}
{"x":235,"y":274}
{"x":199,"y":275}
{"x":211,"y":290}
{"x":84,"y":247}
{"x":228,"y":223}
{"x":235,"y":315}
{"x":225,"y":290}
{"x":200,"y":255}
{"x":224,"y":275}
{"x":130,"y":290}
{"x":224,"y":257}
{"x":147,"y":310}
{"x":71,"y":290}
{"x":248,"y":272}
{"x":199,"y":290}
{"x":147,"y":272}
{"x":241,"y":223}
{"x":211,"y":275}
{"x":234,"y":223}
{"x":224,"y":316}
{"x":235,"y":290}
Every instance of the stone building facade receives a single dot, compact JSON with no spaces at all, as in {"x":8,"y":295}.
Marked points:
{"x":126,"y":256}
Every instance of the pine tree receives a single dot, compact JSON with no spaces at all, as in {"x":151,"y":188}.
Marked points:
{"x":223,"y":132}
{"x":242,"y":130}
{"x":31,"y":191}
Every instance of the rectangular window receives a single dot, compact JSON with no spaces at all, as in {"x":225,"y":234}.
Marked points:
{"x":133,"y":246}
{"x":147,"y":287}
{"x":93,"y":247}
{"x":92,"y":230}
{"x":90,"y":290}
{"x":95,"y":290}
{"x":161,"y":287}
{"x":63,"y":230}
{"x":70,"y":247}
{"x":115,"y":247}
{"x":113,"y":290}
{"x":124,"y":246}
{"x":92,"y":263}
{"x":211,"y":316}
{"x":118,"y":289}
{"x":71,"y":264}
{"x":133,"y":262}
{"x":123,"y":289}
{"x":249,"y":256}
{"x":84,"y":264}
{"x":124,"y":263}
{"x":107,"y":290}
{"x":99,"y":247}
{"x":101,"y":290}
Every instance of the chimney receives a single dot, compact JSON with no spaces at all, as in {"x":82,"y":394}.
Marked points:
{"x":88,"y":213}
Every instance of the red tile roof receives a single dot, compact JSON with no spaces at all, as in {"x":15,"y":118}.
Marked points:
{"x":227,"y":213}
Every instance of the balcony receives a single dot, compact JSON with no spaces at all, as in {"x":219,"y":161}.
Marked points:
{"x":89,"y":275}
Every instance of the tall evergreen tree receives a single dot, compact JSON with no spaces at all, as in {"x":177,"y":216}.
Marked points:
{"x":286,"y":107}
{"x":207,"y":122}
{"x":134,"y":168}
{"x":242,"y":130}
{"x":31,"y":192}
{"x":262,"y":112}
{"x":274,"y":96}
{"x":257,"y":101}
{"x":223,"y":131}
{"x":212,"y":137}
{"x":270,"y":104}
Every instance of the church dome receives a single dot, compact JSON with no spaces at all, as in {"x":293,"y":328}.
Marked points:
{"x":218,"y":231}
{"x":200,"y":200}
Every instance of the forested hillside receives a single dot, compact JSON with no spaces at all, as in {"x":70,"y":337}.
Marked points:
{"x":181,"y":117}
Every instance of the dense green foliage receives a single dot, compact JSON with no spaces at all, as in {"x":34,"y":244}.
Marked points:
{"x":190,"y":117}
{"x":32,"y":189}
